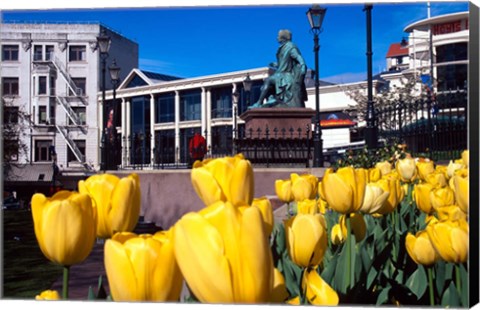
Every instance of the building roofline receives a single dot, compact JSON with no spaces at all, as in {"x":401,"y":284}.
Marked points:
{"x":435,"y":19}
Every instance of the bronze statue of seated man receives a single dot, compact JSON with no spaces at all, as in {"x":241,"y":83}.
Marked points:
{"x":286,"y":87}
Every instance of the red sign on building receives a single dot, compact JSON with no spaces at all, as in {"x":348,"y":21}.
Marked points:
{"x":450,"y":27}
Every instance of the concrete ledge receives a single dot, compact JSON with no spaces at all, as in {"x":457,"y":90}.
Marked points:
{"x":168,"y":194}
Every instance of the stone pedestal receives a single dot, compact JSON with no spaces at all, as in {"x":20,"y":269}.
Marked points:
{"x":279,"y":118}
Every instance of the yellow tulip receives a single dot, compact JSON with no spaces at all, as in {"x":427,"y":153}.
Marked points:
{"x":384,"y":166}
{"x":465,"y":157}
{"x":142,"y":267}
{"x":64,"y":226}
{"x":304,"y":186}
{"x":425,"y":167}
{"x":283,"y":190}
{"x":279,"y":293}
{"x":442,"y":197}
{"x":321,"y":205}
{"x":224,"y":254}
{"x":374,"y":199}
{"x":431,"y":219}
{"x":306,"y":238}
{"x":437,"y":179}
{"x":265,"y":207}
{"x":117,"y":201}
{"x":344,"y":190}
{"x":357,"y":226}
{"x":421,"y":194}
{"x":420,"y":249}
{"x":407,"y":169}
{"x":318,"y":292}
{"x":461,"y":185}
{"x":452,"y":167}
{"x":450,"y":240}
{"x":224,"y":179}
{"x":374,"y":174}
{"x":336,"y":235}
{"x":395,"y":191}
{"x":321,"y":194}
{"x":295,"y":301}
{"x":307,"y":206}
{"x":48,"y":295}
{"x":451,"y":213}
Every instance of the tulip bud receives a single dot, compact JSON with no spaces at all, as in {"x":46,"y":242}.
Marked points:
{"x":336,"y":235}
{"x":425,"y":167}
{"x":420,"y":249}
{"x":465,"y":157}
{"x":357,"y":226}
{"x":317,"y":291}
{"x":306,"y":237}
{"x":344,"y":190}
{"x":461,"y":185}
{"x":421,"y":194}
{"x":64,"y":226}
{"x":283,"y":190}
{"x":441,"y":197}
{"x":384,"y":166}
{"x":307,"y":206}
{"x":450,"y":240}
{"x":48,"y":295}
{"x":406,"y":169}
{"x":304,"y":186}
{"x":142,"y":267}
{"x":117,"y":201}
{"x":374,"y":199}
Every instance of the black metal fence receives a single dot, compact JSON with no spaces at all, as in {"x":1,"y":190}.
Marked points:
{"x":435,"y":126}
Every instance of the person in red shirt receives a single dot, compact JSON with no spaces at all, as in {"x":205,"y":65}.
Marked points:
{"x":197,"y":148}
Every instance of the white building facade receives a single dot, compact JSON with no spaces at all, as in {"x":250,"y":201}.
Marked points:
{"x":52,"y":73}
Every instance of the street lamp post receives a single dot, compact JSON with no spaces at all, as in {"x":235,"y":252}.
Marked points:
{"x":371,"y":131}
{"x":235,"y":96}
{"x":315,"y":16}
{"x":104,"y":41}
{"x":247,"y":86}
{"x":115,"y":78}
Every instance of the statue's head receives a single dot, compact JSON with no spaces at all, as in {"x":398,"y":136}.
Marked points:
{"x":284,"y":35}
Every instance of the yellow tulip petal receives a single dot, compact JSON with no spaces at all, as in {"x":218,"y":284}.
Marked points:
{"x":124,"y":216}
{"x":242,"y":184}
{"x":206,"y":187}
{"x":200,"y":251}
{"x":318,"y":292}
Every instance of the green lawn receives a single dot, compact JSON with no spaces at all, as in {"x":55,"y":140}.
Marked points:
{"x":26,"y":271}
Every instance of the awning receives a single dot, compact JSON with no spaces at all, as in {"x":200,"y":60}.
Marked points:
{"x":30,"y":173}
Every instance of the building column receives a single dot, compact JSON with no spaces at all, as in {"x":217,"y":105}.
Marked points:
{"x":209,"y":120}
{"x":234,"y":111}
{"x":204,"y":117}
{"x":128,"y":130}
{"x":123,"y":124}
{"x":152,"y":130}
{"x":177,"y":126}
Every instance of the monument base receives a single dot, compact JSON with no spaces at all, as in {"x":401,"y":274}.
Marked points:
{"x":279,"y":121}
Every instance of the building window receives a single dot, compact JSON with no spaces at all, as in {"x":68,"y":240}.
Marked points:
{"x":9,"y":52}
{"x":42,"y":150}
{"x":49,"y":52}
{"x":81,"y":147}
{"x":222,"y":103}
{"x":10,"y":86}
{"x":452,"y":52}
{"x":52,"y":86}
{"x":77,"y":53}
{"x":165,"y":108}
{"x":37,"y":52}
{"x":452,"y":77}
{"x":81,"y":84}
{"x":81,"y":112}
{"x":10,"y":149}
{"x":42,"y":85}
{"x":42,"y":114}
{"x":190,"y":106}
{"x":10,"y":115}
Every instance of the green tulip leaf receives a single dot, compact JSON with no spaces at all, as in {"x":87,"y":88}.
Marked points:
{"x":91,"y":294}
{"x":330,"y":269}
{"x":464,"y":287}
{"x":440,"y":273}
{"x":417,"y":282}
{"x":383,"y":296}
{"x":371,"y":277}
{"x":450,"y":297}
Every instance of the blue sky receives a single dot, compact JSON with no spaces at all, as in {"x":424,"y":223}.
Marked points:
{"x":204,"y":40}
